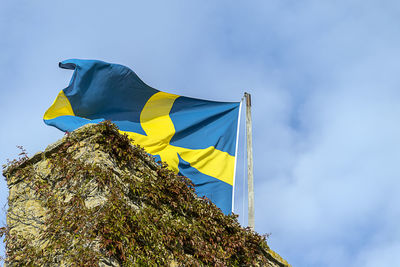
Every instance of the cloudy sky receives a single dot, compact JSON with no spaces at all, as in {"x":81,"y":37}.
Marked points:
{"x":326,"y":92}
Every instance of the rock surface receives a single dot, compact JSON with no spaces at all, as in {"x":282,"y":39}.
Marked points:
{"x":93,"y":199}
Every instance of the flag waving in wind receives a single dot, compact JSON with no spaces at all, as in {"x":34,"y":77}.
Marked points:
{"x":196,"y":138}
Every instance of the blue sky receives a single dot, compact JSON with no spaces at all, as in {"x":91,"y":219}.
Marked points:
{"x":325,"y":85}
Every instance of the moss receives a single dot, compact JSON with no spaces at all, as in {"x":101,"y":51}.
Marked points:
{"x":147,"y":214}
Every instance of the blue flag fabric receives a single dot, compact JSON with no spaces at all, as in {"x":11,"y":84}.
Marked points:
{"x":196,"y":138}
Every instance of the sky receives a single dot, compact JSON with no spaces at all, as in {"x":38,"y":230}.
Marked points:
{"x":324,"y":81}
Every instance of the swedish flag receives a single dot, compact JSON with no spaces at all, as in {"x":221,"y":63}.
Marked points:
{"x":196,"y":138}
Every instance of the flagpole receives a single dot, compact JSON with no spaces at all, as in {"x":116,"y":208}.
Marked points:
{"x":250,"y":183}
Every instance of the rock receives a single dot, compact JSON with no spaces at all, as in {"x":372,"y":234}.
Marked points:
{"x":94,"y":199}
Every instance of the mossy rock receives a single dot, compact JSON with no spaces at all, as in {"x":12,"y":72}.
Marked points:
{"x":94,"y":199}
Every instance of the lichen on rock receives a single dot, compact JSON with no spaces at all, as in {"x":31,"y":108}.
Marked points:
{"x":94,"y":199}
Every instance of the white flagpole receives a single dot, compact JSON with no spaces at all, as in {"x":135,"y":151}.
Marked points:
{"x":250,"y":183}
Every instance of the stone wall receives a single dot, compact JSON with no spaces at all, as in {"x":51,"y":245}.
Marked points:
{"x":45,"y":227}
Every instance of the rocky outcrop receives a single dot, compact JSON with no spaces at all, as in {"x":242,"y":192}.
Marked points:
{"x":93,"y":199}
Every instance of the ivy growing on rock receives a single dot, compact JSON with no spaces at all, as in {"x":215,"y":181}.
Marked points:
{"x":122,"y":209}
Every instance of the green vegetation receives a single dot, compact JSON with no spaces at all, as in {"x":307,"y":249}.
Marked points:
{"x":150,"y":216}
